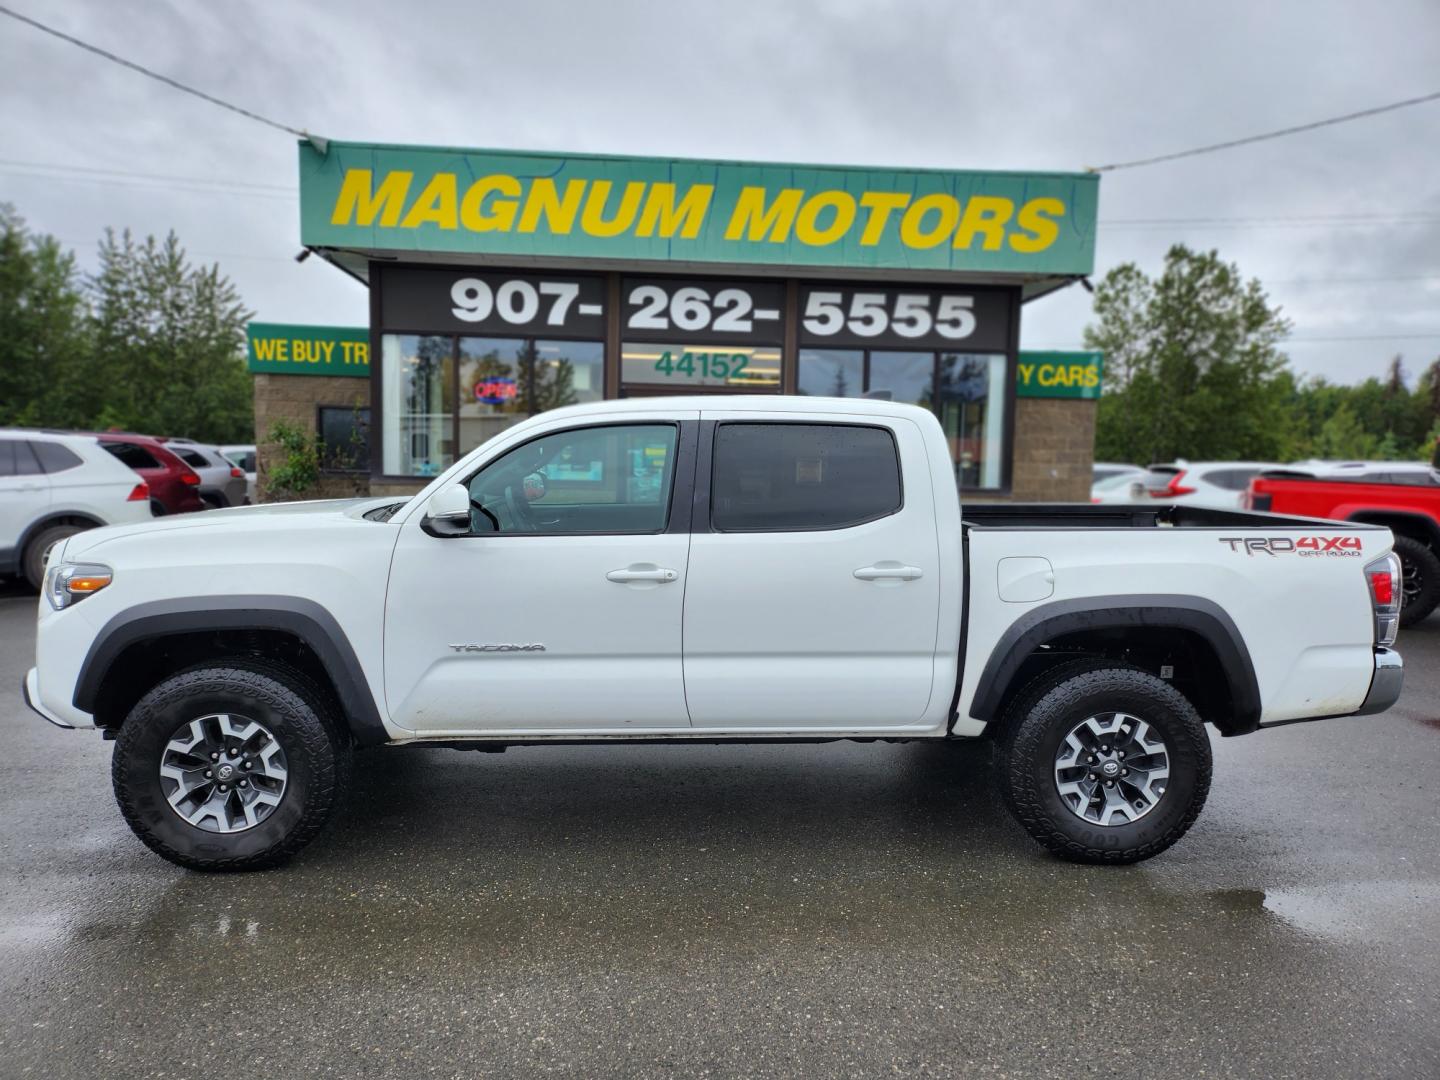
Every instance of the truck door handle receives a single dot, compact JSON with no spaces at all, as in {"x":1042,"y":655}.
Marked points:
{"x":659,"y":574}
{"x":889,"y":571}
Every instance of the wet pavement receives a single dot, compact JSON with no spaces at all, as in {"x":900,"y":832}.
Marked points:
{"x":841,"y":910}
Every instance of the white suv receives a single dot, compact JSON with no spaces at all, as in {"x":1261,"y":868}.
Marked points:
{"x":53,"y":486}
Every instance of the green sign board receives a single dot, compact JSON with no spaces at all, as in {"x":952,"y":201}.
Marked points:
{"x":283,"y":349}
{"x":662,"y":210}
{"x":1060,"y":374}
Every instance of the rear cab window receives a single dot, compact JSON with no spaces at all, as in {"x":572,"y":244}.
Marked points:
{"x":791,"y":477}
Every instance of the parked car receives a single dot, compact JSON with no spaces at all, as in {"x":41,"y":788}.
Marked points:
{"x":1406,"y":502}
{"x":222,"y":482}
{"x":1121,"y":488}
{"x":244,"y":458}
{"x":54,"y":486}
{"x":174,"y":486}
{"x":1220,"y":484}
{"x":704,"y":569}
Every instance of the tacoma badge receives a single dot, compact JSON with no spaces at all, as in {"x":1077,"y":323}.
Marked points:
{"x":498,"y":648}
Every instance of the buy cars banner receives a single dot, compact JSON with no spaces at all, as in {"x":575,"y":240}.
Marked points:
{"x":1059,"y":374}
{"x":575,"y":206}
{"x":284,"y":349}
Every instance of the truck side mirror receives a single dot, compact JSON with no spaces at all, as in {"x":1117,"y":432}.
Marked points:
{"x":447,"y":512}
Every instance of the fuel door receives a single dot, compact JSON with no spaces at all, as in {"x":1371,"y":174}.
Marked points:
{"x":1024,"y":579}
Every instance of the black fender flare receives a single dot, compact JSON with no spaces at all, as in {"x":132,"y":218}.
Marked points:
{"x":1155,"y":611}
{"x":307,"y":620}
{"x":1424,"y":524}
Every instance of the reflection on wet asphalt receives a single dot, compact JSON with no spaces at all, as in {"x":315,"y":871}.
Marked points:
{"x":734,"y":911}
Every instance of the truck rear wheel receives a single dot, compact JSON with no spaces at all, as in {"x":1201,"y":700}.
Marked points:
{"x":1419,"y":579}
{"x":230,"y":766}
{"x":1104,"y":763}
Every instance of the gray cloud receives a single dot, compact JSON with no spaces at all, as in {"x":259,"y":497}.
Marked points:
{"x":977,"y":85}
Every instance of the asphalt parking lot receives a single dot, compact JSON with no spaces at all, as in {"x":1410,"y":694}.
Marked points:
{"x":838,"y":910}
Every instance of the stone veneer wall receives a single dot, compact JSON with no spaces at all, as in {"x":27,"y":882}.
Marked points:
{"x":296,"y":398}
{"x":1054,"y":450}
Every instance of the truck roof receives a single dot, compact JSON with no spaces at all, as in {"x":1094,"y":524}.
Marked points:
{"x":748,"y":402}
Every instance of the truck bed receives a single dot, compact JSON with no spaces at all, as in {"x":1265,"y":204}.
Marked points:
{"x":1163,"y":515}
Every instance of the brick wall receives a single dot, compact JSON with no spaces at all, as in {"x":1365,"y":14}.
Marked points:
{"x":1054,"y":450}
{"x":295,"y":398}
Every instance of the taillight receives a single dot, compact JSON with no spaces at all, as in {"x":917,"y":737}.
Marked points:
{"x":190,"y":478}
{"x":139,"y":493}
{"x":1384,"y":578}
{"x":237,"y":474}
{"x":1170,"y":490}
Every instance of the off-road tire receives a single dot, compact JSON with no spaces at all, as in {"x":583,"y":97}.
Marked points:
{"x":34,"y":557}
{"x":1039,"y":719}
{"x":1416,"y":557}
{"x":297,"y":713}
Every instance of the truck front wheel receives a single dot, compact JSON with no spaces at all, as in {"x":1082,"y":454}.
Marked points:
{"x":1104,"y":763}
{"x":230,"y":766}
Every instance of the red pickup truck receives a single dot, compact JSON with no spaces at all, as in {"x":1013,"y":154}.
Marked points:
{"x":1407,"y":502}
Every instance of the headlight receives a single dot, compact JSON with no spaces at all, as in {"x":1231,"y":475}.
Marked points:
{"x":68,"y":583}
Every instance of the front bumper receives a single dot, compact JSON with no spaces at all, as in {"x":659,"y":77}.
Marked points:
{"x":31,"y":688}
{"x":1386,"y":683}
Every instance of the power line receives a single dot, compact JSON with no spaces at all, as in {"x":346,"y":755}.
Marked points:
{"x":172,"y":83}
{"x":1231,"y":143}
{"x":212,"y":189}
{"x":62,"y":169}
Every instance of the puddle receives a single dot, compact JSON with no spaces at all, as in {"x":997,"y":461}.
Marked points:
{"x":1364,"y":910}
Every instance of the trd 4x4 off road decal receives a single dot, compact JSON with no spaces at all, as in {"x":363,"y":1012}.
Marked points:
{"x":1327,"y":546}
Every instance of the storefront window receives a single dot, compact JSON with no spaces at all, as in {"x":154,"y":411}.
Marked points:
{"x":418,"y":376}
{"x":902,"y":376}
{"x":972,"y":411}
{"x":969,"y":398}
{"x":698,"y":364}
{"x":832,"y":372}
{"x":504,"y":380}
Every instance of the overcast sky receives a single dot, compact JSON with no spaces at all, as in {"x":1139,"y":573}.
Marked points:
{"x":1005,"y":85}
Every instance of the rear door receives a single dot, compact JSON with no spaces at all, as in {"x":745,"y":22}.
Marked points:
{"x":813,"y":588}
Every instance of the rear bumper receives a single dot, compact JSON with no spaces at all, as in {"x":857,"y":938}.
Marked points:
{"x":31,"y":689}
{"x":1386,"y":683}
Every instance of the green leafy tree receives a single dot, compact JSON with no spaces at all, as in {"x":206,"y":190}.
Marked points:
{"x":169,"y":339}
{"x":1193,"y":366}
{"x":44,"y":344}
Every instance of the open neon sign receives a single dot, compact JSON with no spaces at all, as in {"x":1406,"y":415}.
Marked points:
{"x":496,"y":391}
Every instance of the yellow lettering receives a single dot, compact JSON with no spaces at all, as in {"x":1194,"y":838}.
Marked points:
{"x":328,"y":348}
{"x":985,"y":214}
{"x":282,"y":349}
{"x":912,"y":234}
{"x":1025,"y":370}
{"x":807,"y":231}
{"x":559,"y":212}
{"x":359,"y":203}
{"x":362,"y":352}
{"x":436,"y":204}
{"x":754,"y":221}
{"x":1047,"y":374}
{"x":881,"y":205}
{"x":1038,"y":230}
{"x":593,"y":220}
{"x":499,"y":215}
{"x":265,"y":348}
{"x":662,"y":213}
{"x":1092,"y":377}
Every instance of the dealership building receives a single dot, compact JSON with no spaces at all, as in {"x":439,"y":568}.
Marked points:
{"x":503,"y":284}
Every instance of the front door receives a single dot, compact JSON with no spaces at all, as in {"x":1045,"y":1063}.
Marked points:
{"x":813,"y":592}
{"x":24,"y":495}
{"x":561,"y":611}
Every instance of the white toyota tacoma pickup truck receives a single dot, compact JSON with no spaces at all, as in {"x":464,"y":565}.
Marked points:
{"x":715,"y":569}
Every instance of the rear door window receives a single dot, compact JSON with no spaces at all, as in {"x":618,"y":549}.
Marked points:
{"x":53,"y":457}
{"x":795,"y":477}
{"x":1231,"y":479}
{"x":137,"y":457}
{"x":193,"y":458}
{"x":26,"y":463}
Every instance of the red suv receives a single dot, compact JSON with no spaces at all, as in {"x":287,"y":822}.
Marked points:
{"x":174,"y":486}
